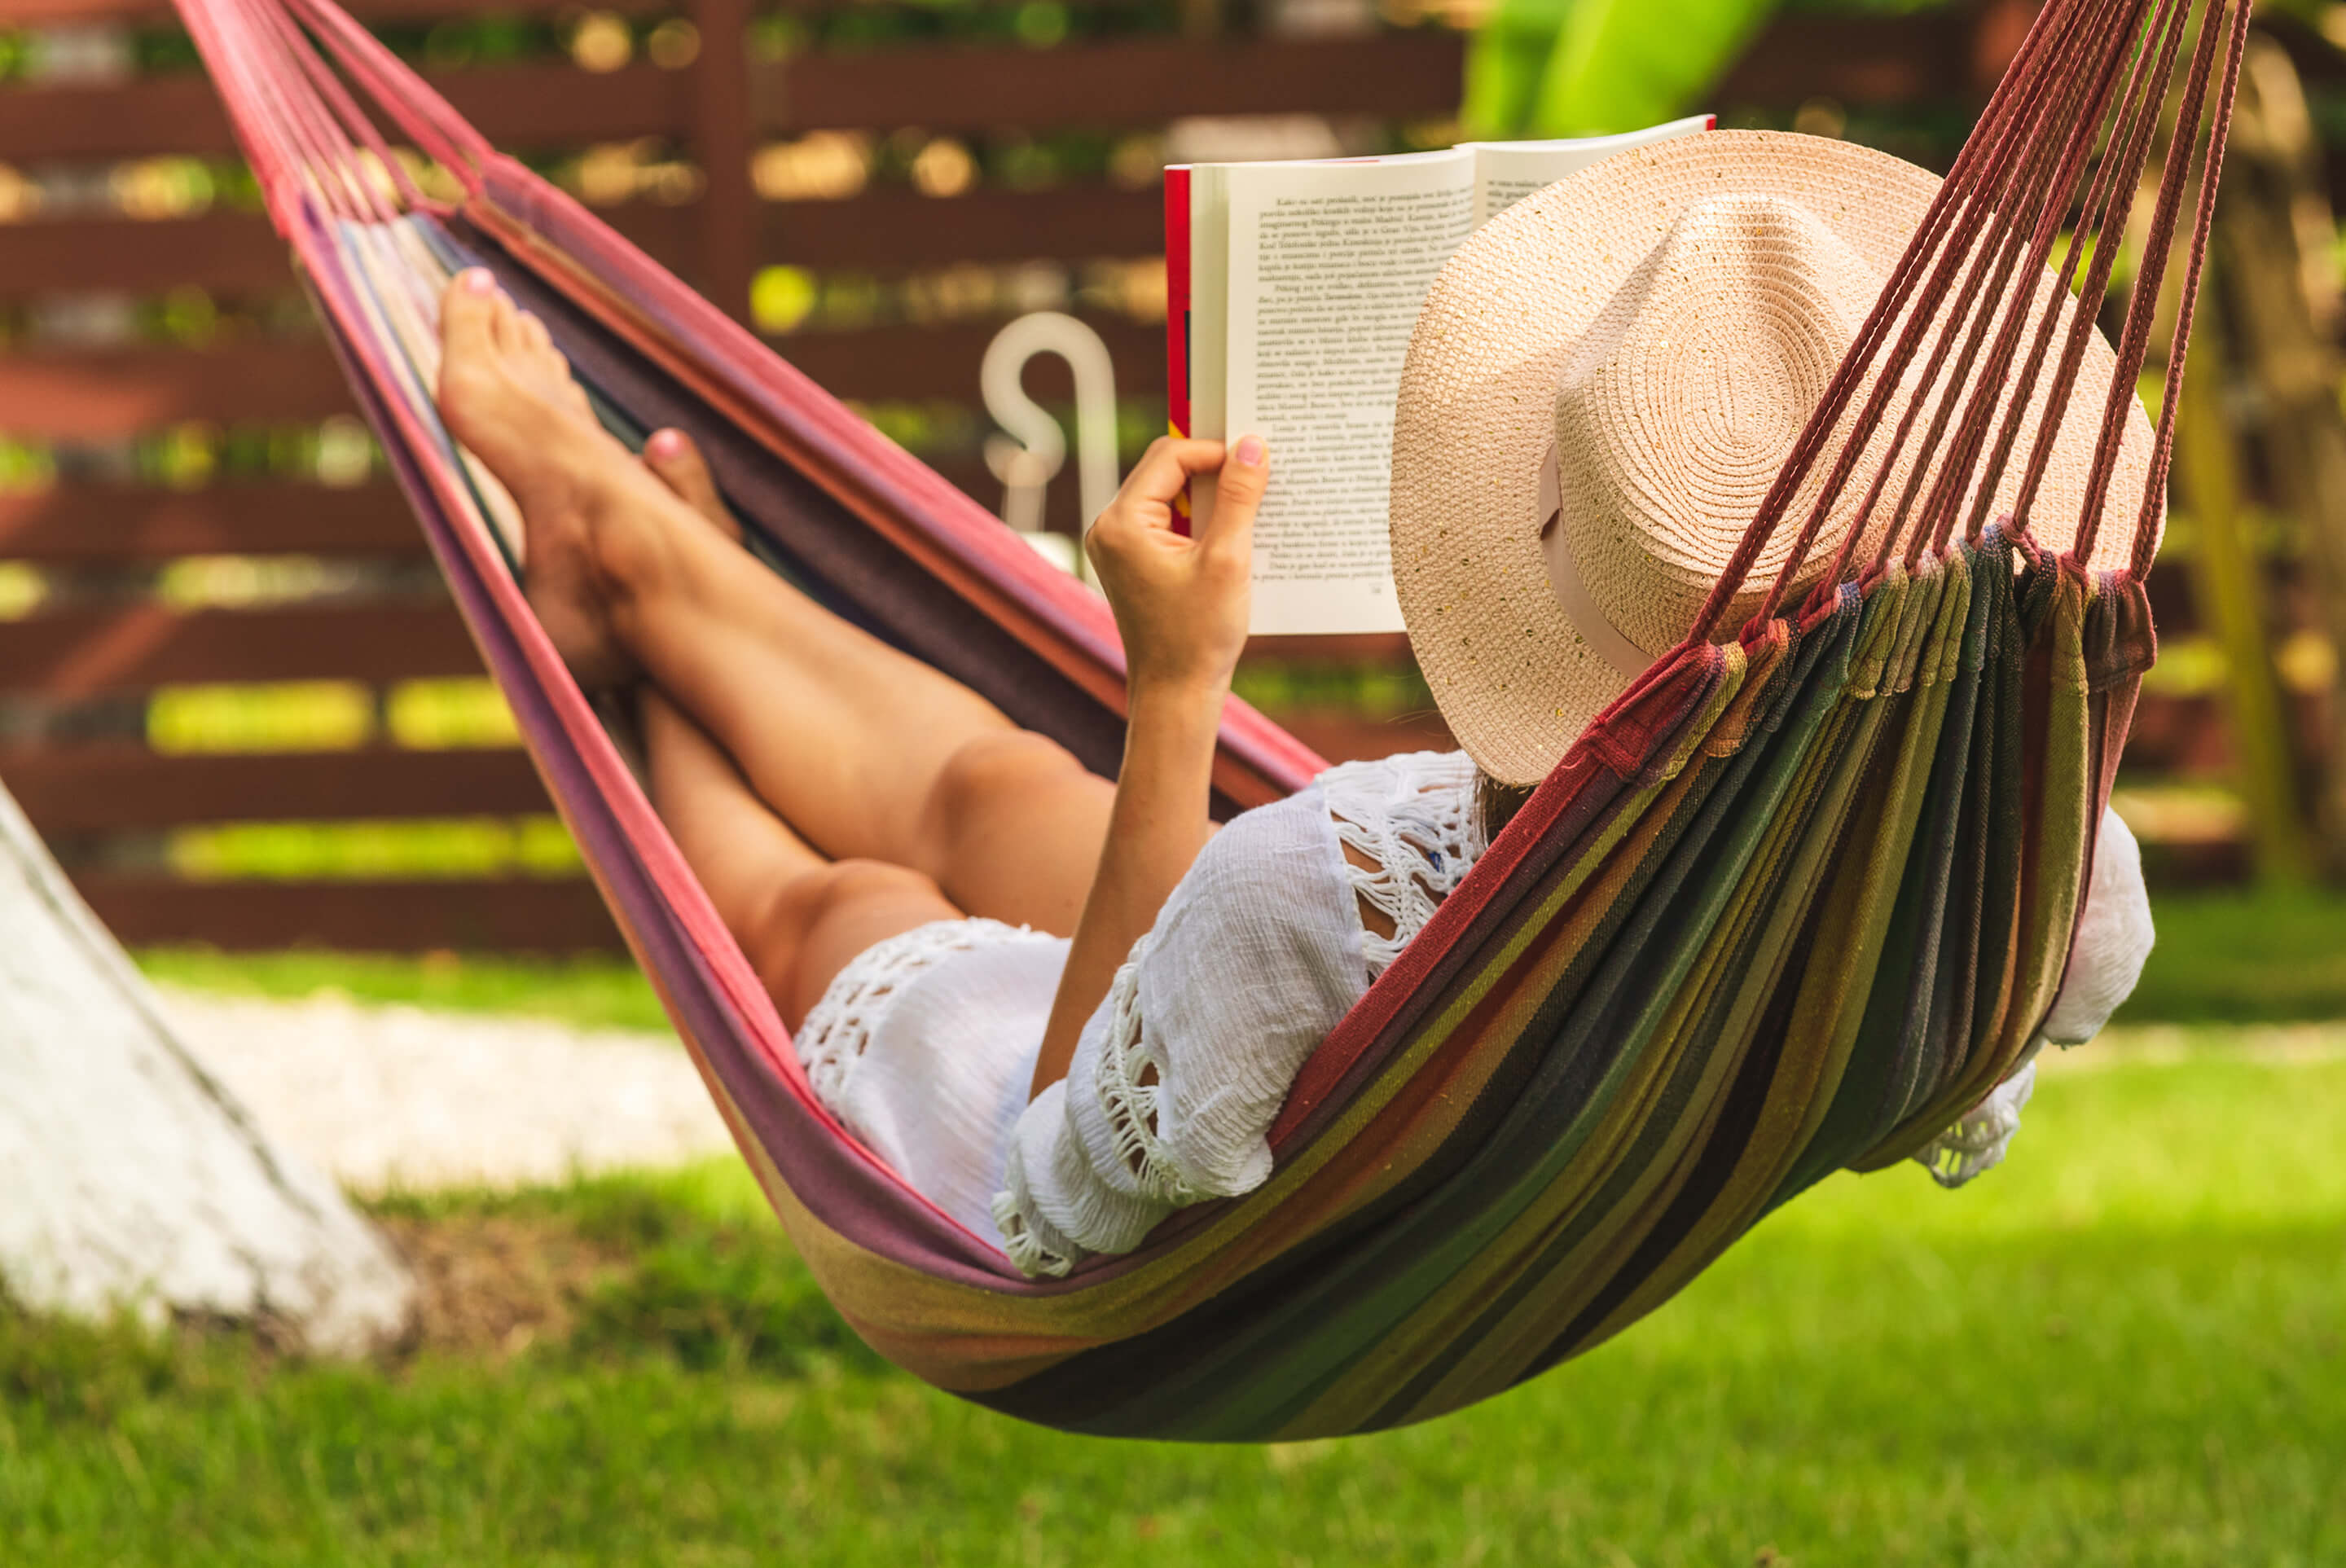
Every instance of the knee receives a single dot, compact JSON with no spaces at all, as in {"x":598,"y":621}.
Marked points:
{"x":1016,"y":766}
{"x":808,"y":899}
{"x":830,"y":910}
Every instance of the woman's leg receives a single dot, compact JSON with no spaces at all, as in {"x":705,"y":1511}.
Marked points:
{"x":797,"y":917}
{"x":867,"y":753}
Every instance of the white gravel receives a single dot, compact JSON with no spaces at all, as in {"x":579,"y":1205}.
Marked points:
{"x":399,"y":1099}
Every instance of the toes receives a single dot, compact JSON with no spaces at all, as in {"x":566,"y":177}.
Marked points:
{"x":530,"y":333}
{"x":469,"y":311}
{"x":504,"y":324}
{"x":672,"y":456}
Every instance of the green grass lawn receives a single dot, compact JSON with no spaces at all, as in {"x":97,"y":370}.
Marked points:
{"x":2126,"y":1346}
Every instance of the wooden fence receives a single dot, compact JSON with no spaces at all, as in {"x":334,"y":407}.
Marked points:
{"x":100,"y":548}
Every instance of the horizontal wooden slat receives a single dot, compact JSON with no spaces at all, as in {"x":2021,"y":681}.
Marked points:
{"x":888,"y":232}
{"x":898,"y":231}
{"x":1857,"y":60}
{"x":118,"y":786}
{"x":226,"y":252}
{"x":1143,"y":82}
{"x":53,"y":13}
{"x":565,"y":916}
{"x":95,"y":395}
{"x":82,"y":653}
{"x":547,"y":104}
{"x":544,"y":103}
{"x":94,"y":523}
{"x":552,"y":104}
{"x":942,"y":361}
{"x":1380,"y":650}
{"x":1349,"y":737}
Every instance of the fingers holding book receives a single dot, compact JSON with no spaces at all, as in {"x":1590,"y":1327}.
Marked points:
{"x":1181,"y":602}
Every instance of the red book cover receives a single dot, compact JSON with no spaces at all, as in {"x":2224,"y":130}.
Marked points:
{"x":1177,"y":316}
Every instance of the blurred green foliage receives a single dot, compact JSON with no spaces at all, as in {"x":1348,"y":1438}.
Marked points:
{"x":1590,"y":67}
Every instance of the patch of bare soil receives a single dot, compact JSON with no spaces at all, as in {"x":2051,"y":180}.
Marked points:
{"x":492,"y":1286}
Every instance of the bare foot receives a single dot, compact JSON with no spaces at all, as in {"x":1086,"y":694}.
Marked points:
{"x":676,"y":462}
{"x":507,"y":394}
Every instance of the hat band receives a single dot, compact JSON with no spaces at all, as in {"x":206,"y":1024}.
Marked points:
{"x":1580,"y":606}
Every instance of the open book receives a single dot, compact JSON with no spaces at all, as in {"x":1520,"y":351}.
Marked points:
{"x":1292,"y":289}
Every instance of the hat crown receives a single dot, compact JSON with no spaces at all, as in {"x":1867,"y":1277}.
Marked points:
{"x":1674,"y":413}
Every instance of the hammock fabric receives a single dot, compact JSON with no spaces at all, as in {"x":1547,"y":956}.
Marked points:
{"x":1795,"y":903}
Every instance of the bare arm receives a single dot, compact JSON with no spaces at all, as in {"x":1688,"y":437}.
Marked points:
{"x":1182,"y":605}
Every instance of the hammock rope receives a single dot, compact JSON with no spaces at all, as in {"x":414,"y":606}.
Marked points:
{"x":1797,"y":901}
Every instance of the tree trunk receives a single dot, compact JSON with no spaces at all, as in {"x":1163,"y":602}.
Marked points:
{"x":128,"y":1178}
{"x":2276,"y":240}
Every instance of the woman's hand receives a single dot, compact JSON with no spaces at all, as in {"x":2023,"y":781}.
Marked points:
{"x":1181,"y":603}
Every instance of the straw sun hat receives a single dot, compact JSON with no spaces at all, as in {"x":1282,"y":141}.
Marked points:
{"x":1603,"y":383}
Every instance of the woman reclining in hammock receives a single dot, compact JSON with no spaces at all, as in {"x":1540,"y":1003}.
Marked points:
{"x":1059,"y":1006}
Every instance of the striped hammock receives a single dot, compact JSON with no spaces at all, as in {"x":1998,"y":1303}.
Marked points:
{"x":1793,"y":904}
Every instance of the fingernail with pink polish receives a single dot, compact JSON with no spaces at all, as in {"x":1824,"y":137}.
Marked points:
{"x":665,"y":443}
{"x":1249,"y":453}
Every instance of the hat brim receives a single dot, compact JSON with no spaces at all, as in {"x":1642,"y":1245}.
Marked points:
{"x":1516,"y":681}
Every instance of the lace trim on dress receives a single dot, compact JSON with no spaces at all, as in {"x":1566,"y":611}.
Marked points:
{"x":1977,"y":1144}
{"x":1413,"y":815}
{"x":1037,"y":1249}
{"x":837,"y":1029}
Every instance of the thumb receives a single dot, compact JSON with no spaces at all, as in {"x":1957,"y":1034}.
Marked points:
{"x":1245,"y":472}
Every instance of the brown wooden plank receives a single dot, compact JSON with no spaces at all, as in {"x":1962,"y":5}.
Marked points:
{"x":1392,"y":75}
{"x":942,"y":361}
{"x":94,"y":395}
{"x":550,"y":916}
{"x":897,"y":231}
{"x":1383,"y":650}
{"x":541,"y":104}
{"x":1349,"y":737}
{"x":113,"y":522}
{"x":81,"y":653}
{"x":1855,"y":60}
{"x":109,"y":787}
{"x":53,"y":13}
{"x":221,"y":252}
{"x":112,"y":393}
{"x":885,"y":232}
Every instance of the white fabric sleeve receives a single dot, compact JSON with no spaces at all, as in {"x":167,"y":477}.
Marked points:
{"x":1257,"y":954}
{"x":1180,"y":1073}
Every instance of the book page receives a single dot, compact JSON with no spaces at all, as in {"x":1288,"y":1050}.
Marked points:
{"x":1507,"y":171}
{"x":1327,"y":265}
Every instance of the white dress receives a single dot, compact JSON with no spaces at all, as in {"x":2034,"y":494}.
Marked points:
{"x":924,"y":1046}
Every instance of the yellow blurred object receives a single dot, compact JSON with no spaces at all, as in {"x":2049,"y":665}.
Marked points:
{"x":674,"y":44}
{"x":781,"y":298}
{"x":280,"y":715}
{"x":824,"y":166}
{"x":157,"y":188}
{"x":447,"y":715}
{"x":19,"y":198}
{"x":602,"y":42}
{"x":22,"y":589}
{"x":944,"y":167}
